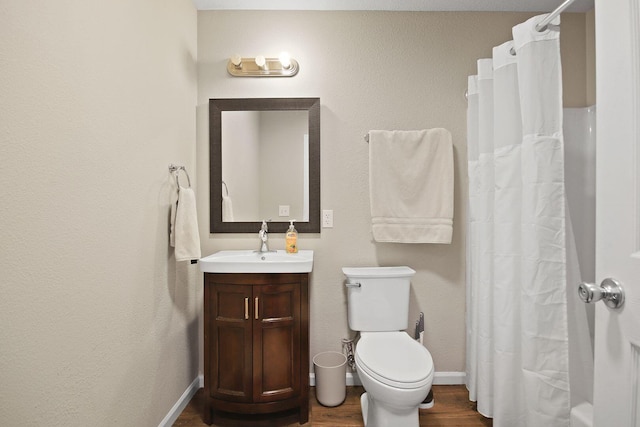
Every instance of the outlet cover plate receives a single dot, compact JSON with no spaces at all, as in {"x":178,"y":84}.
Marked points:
{"x":327,"y":218}
{"x":283,"y":210}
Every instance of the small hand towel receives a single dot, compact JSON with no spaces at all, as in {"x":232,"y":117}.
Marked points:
{"x":186,"y":237}
{"x":172,"y":223}
{"x":227,"y":209}
{"x":411,"y":186}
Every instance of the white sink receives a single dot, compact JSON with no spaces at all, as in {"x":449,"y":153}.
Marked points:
{"x":257,"y":262}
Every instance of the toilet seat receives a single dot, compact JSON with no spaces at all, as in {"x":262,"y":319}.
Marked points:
{"x":395,"y":359}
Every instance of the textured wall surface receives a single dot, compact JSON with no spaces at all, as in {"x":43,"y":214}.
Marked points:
{"x":99,"y":327}
{"x":371,"y":70}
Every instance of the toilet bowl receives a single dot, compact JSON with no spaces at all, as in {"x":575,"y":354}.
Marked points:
{"x":395,"y":370}
{"x":396,"y":373}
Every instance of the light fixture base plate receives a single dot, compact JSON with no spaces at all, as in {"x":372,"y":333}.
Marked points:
{"x":272,"y":68}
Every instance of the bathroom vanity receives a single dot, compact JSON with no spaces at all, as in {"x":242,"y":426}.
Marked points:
{"x":256,"y":348}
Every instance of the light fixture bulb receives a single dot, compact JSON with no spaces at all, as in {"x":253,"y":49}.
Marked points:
{"x":285,"y":60}
{"x":260,"y":61}
{"x":236,"y":60}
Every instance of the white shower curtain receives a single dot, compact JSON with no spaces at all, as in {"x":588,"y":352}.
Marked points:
{"x":517,"y":339}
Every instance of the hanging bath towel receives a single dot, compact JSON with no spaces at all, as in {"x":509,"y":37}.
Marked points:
{"x":411,"y":186}
{"x":184,"y":230}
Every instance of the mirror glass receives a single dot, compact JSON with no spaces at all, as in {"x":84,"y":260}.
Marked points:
{"x":265,"y":160}
{"x":265,"y":164}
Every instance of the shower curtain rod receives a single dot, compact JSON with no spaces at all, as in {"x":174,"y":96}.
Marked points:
{"x":542,"y":25}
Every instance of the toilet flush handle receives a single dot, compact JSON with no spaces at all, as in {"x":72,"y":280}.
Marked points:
{"x":354,"y":285}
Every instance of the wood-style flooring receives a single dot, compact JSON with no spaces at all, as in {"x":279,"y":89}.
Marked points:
{"x":452,"y":408}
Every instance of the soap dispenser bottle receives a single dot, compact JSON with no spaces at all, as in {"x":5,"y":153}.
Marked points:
{"x":291,"y":239}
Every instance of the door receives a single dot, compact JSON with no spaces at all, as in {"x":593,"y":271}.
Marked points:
{"x":617,"y":339}
{"x":276,"y":352}
{"x":229,"y":342}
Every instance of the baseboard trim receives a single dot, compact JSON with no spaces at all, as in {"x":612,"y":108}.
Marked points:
{"x":449,"y":378}
{"x":182,"y":403}
{"x":439,"y":378}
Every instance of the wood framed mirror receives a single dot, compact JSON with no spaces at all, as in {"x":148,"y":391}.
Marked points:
{"x":265,"y":164}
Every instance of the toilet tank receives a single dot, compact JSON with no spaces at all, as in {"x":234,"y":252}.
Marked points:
{"x":378,"y":298}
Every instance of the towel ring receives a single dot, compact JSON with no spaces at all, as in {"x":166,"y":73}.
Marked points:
{"x":176,"y":170}
{"x":178,"y":177}
{"x":226,"y":189}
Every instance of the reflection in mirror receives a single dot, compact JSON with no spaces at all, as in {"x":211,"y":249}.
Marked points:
{"x":265,"y":161}
{"x":264,"y":164}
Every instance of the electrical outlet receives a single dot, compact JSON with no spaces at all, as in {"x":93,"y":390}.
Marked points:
{"x":327,"y":218}
{"x":283,"y":210}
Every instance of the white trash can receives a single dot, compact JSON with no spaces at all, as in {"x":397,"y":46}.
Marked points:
{"x":330,"y":368}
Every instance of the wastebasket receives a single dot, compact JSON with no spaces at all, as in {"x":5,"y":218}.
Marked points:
{"x":330,"y":368}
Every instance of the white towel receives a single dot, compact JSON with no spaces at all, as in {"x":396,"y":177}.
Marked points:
{"x":184,"y":235}
{"x":172,"y":223}
{"x":411,"y":186}
{"x":227,"y":209}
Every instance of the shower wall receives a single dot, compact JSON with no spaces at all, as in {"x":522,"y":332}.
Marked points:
{"x":580,"y":181}
{"x":579,"y":136}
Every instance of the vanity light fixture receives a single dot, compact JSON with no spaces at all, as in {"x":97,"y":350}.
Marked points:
{"x":283,"y":66}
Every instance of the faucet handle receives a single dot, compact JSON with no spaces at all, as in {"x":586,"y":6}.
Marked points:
{"x":264,"y":224}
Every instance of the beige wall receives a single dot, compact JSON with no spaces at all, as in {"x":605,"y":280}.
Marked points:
{"x":99,"y":326}
{"x":371,"y":70}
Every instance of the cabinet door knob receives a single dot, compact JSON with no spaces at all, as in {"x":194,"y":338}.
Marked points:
{"x":256,"y":308}
{"x":246,"y":308}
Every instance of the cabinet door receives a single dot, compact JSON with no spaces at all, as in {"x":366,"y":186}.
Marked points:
{"x":230,"y":342}
{"x":276,"y":352}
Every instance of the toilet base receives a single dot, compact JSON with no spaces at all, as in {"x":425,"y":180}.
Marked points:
{"x":364,"y":406}
{"x":374,"y":416}
{"x":428,"y":402}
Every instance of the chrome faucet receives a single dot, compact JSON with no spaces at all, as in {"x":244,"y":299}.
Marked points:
{"x":264,"y":236}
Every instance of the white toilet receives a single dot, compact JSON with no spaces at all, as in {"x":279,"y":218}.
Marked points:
{"x":396,"y":371}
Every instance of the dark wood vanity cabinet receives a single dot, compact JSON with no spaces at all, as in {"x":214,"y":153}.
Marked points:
{"x":256,"y":348}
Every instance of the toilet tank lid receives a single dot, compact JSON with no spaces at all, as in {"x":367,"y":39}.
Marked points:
{"x":378,"y":271}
